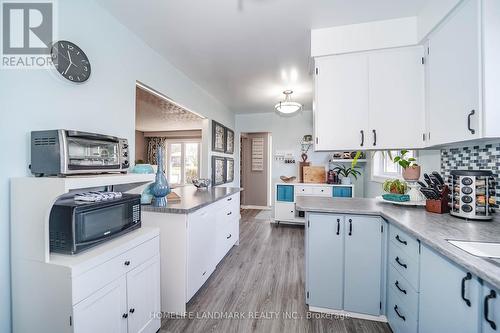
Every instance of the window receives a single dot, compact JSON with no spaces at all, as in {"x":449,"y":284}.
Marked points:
{"x":183,"y":161}
{"x":384,"y":168}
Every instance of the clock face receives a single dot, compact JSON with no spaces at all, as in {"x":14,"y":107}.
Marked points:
{"x":70,"y":61}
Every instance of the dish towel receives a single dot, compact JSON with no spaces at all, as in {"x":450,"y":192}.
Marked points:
{"x":396,"y":197}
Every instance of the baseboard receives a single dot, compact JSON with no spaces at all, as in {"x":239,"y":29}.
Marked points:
{"x":255,"y":207}
{"x":348,"y":314}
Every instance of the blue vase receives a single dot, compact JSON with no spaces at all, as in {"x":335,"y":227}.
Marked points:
{"x":160,"y":188}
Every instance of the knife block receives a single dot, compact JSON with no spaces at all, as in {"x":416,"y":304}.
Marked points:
{"x":439,"y":206}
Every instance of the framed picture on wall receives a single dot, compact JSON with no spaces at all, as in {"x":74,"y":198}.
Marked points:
{"x":229,"y":170}
{"x":218,"y":170}
{"x":218,"y":137}
{"x":229,"y":141}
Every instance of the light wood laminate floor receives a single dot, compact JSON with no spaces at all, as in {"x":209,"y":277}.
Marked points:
{"x":261,"y":281}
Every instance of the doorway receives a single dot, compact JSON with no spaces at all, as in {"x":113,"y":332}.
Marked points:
{"x":255,"y":170}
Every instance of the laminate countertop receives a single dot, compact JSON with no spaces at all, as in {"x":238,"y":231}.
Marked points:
{"x":433,"y":230}
{"x":193,"y":199}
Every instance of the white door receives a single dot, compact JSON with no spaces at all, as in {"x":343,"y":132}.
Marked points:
{"x":201,"y":248}
{"x":397,"y":114}
{"x":454,"y":76}
{"x":341,"y":102}
{"x":104,"y":311}
{"x":143,"y":297}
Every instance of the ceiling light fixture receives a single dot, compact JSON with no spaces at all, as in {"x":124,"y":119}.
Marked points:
{"x":287,"y":106}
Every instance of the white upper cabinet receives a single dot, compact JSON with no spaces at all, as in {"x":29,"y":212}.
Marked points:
{"x":341,"y":102}
{"x":397,"y":114}
{"x":454,"y":91}
{"x":372,"y":100}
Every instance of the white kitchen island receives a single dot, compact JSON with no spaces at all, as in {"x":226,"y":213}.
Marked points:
{"x":195,"y":235}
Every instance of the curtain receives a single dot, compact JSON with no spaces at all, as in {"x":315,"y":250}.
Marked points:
{"x":153,"y":143}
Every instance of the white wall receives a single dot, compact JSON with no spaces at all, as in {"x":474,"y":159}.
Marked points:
{"x":430,"y":160}
{"x":364,"y":36}
{"x":287,"y":133}
{"x":432,"y":14}
{"x":35,"y":99}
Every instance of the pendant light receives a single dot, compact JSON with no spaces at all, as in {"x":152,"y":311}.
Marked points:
{"x":287,"y":106}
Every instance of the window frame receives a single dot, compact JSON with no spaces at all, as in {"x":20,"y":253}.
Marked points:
{"x":378,"y":162}
{"x":183,"y":143}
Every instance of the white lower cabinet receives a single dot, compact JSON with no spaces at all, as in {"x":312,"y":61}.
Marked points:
{"x":201,"y":248}
{"x":104,"y":310}
{"x":212,"y":232}
{"x":125,"y":305}
{"x":344,"y":263}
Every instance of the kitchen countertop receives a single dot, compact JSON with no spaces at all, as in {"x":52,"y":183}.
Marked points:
{"x":433,"y":230}
{"x":193,"y":199}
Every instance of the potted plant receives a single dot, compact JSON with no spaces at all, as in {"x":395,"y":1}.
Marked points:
{"x":395,"y":186}
{"x":411,"y":170}
{"x":345,"y":172}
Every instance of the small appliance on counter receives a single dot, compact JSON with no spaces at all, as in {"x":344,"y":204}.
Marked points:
{"x":473,"y":194}
{"x":64,"y":152}
{"x":88,"y":219}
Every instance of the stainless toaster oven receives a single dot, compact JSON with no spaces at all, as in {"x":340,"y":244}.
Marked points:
{"x":64,"y":152}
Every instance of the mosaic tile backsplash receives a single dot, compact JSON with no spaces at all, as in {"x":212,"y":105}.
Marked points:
{"x":481,"y":157}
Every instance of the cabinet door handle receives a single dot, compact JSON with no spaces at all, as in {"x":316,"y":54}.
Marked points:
{"x":132,"y":310}
{"x":229,"y":213}
{"x":362,"y":138}
{"x":228,"y":236}
{"x":472,"y":131}
{"x":229,"y":199}
{"x":465,"y":279}
{"x":338,"y":226}
{"x":401,"y":241}
{"x":399,"y":288}
{"x":126,"y":263}
{"x":125,"y":315}
{"x":491,"y":295}
{"x":205,"y":272}
{"x":399,"y":314}
{"x":374,"y":137}
{"x":400,"y":263}
{"x":350,"y":227}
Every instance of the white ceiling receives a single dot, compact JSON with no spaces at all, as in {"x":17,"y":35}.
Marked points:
{"x":157,"y":114}
{"x":246,"y":52}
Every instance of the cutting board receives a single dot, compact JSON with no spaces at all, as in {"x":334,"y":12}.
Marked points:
{"x":314,"y":174}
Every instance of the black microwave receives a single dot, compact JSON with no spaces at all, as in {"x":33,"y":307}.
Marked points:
{"x":75,"y":226}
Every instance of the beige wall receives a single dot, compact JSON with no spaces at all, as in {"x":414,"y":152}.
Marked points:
{"x":255,"y":183}
{"x":140,"y":146}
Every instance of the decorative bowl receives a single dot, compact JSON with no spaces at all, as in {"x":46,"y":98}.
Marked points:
{"x":143,"y":168}
{"x":201,"y":183}
{"x":288,"y":179}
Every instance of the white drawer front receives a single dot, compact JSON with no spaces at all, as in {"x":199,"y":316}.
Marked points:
{"x":303,"y":190}
{"x":322,"y":191}
{"x":87,"y":283}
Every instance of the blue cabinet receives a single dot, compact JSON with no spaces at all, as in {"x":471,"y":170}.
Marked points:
{"x":342,"y":192}
{"x":449,"y":296}
{"x":285,"y":193}
{"x":344,"y":263}
{"x":325,"y":260}
{"x":490,"y":310}
{"x":363,"y":264}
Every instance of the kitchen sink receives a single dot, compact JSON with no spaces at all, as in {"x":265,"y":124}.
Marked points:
{"x":479,"y":249}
